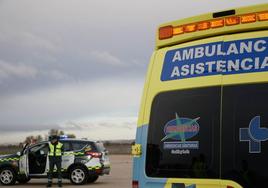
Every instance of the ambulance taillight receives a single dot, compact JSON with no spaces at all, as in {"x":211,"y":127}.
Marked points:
{"x":135,"y":184}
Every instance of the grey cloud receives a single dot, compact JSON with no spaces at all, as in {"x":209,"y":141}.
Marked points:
{"x":86,"y":40}
{"x":17,"y":70}
{"x":86,"y":99}
{"x":27,"y":127}
{"x":75,"y":126}
{"x":65,"y":60}
{"x":106,"y":58}
{"x":101,"y":123}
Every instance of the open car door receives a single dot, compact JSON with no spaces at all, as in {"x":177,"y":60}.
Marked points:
{"x":23,"y":162}
{"x":37,"y":159}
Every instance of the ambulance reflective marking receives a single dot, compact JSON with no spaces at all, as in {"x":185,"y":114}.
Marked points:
{"x":241,"y":56}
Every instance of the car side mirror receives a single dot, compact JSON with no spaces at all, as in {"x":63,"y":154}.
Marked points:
{"x":19,"y":153}
{"x":42,"y":152}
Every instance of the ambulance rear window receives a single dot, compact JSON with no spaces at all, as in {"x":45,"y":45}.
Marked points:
{"x":183,"y":134}
{"x":245,"y":134}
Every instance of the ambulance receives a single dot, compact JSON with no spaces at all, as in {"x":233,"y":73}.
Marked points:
{"x":203,"y":120}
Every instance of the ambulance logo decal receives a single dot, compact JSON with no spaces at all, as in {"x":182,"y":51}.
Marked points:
{"x":178,"y":131}
{"x":255,"y":134}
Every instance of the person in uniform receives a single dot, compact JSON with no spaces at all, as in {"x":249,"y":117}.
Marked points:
{"x":55,"y":153}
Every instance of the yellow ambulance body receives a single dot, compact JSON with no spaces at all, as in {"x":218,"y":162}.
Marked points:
{"x":203,"y":120}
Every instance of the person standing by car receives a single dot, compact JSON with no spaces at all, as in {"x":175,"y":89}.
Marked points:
{"x":55,"y":153}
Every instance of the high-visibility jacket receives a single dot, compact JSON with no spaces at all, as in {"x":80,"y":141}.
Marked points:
{"x":55,"y":150}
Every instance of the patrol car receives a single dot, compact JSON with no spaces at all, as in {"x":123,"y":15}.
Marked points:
{"x":83,"y":161}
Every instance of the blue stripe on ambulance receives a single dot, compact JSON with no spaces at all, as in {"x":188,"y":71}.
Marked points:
{"x":139,"y":163}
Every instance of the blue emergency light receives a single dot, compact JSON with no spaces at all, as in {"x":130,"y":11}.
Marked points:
{"x":62,"y":137}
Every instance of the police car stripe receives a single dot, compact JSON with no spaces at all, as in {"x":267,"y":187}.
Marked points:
{"x":9,"y":159}
{"x":89,"y":168}
{"x":79,"y":153}
{"x":94,"y":167}
{"x":75,"y":153}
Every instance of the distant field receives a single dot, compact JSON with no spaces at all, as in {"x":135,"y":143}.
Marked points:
{"x":112,"y":147}
{"x":118,"y":148}
{"x":9,"y":149}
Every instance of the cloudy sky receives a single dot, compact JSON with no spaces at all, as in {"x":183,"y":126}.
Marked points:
{"x":80,"y":65}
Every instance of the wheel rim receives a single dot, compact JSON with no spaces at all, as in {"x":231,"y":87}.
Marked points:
{"x":6,"y":176}
{"x":78,"y":175}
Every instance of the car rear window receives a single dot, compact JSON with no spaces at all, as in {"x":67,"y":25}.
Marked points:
{"x":86,"y":145}
{"x":78,"y":145}
{"x":67,"y":146}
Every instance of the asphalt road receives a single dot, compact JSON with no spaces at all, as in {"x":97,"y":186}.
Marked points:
{"x":120,"y":176}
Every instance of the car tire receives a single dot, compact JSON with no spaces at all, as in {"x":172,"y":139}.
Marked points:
{"x":92,"y":179}
{"x":7,"y":176}
{"x":23,"y":180}
{"x":78,"y":175}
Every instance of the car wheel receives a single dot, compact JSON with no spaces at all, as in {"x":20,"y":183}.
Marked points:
{"x":78,"y":175}
{"x":23,"y":180}
{"x":7,"y":176}
{"x":92,"y":179}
